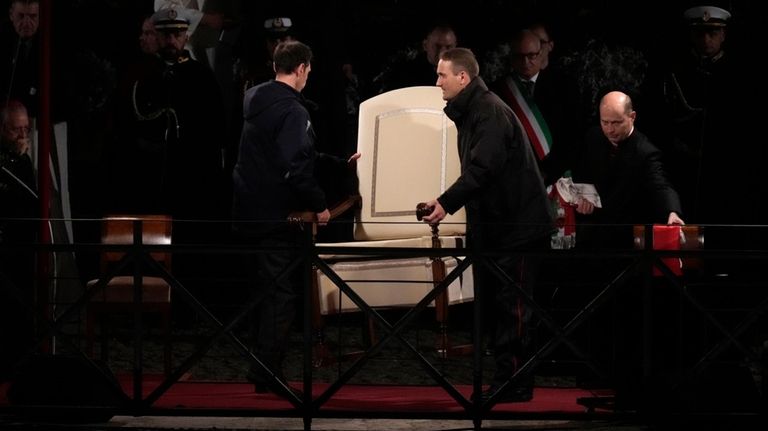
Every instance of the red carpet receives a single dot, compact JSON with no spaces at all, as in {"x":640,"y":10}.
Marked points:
{"x":235,"y":395}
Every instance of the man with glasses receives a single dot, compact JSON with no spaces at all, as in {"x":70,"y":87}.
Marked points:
{"x":517,"y":89}
{"x":538,"y":100}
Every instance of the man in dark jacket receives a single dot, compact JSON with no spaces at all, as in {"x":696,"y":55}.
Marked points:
{"x":274,"y":176}
{"x":507,"y":208}
{"x":18,"y":208}
{"x":627,"y":172}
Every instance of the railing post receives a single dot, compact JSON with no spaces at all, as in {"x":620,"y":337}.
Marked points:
{"x":477,"y":351}
{"x":138,"y":349}
{"x":647,"y":313}
{"x":308,"y":253}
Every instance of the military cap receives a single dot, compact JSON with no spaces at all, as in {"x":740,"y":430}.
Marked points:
{"x":277,"y":25}
{"x":707,"y":16}
{"x":172,"y":18}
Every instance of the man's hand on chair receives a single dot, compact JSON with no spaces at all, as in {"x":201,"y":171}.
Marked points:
{"x":437,"y":214}
{"x":353,"y":158}
{"x":674,"y":219}
{"x":323,"y":217}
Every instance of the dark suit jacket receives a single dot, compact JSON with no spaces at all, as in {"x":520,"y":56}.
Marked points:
{"x":558,"y":104}
{"x":551,"y":98}
{"x":632,"y":184}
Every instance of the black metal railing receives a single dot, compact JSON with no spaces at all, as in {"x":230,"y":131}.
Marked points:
{"x":58,"y":323}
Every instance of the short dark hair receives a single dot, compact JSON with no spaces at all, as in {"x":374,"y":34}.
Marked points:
{"x":462,"y":59}
{"x":290,"y":54}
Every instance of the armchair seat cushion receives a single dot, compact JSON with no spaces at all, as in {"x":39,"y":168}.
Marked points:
{"x":391,"y":282}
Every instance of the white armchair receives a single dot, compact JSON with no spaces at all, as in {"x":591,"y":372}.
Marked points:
{"x":409,"y":155}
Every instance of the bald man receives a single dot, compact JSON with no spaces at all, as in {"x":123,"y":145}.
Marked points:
{"x":626,"y":168}
{"x":627,"y":171}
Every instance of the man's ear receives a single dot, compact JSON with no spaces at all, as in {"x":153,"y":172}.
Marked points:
{"x":464,"y":76}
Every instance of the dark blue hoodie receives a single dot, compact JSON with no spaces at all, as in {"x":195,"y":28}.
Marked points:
{"x":274,"y":174}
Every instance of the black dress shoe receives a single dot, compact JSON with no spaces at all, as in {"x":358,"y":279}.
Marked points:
{"x":263,"y":388}
{"x":259,"y":385}
{"x":519,"y":394}
{"x":260,"y":388}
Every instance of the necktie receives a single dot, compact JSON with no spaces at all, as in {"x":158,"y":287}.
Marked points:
{"x":528,"y":88}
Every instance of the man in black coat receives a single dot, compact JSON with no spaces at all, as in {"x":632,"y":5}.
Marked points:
{"x":18,"y":208}
{"x":704,"y":86}
{"x":626,"y":169}
{"x":627,"y":172}
{"x":507,"y":209}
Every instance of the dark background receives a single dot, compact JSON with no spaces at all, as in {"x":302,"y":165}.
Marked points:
{"x":92,"y":35}
{"x":94,"y":40}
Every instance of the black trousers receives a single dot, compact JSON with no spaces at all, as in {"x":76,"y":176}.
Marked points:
{"x":17,"y":272}
{"x":276,"y":288}
{"x":513,"y":334}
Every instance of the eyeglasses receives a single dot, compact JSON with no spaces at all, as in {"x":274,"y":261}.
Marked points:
{"x":528,"y":55}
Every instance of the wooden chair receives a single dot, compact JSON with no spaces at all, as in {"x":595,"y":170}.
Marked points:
{"x":117,"y":296}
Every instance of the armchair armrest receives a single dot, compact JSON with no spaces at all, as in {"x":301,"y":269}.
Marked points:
{"x":340,"y":208}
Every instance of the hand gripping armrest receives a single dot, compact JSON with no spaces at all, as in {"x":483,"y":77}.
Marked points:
{"x":311,"y":217}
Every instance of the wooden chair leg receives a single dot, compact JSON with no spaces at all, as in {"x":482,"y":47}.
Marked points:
{"x":321,"y":355}
{"x":443,"y":342}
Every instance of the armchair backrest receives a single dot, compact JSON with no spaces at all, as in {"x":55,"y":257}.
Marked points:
{"x":409,"y":155}
{"x":118,"y":229}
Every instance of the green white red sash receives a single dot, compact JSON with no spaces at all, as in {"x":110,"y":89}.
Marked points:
{"x":530,"y":117}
